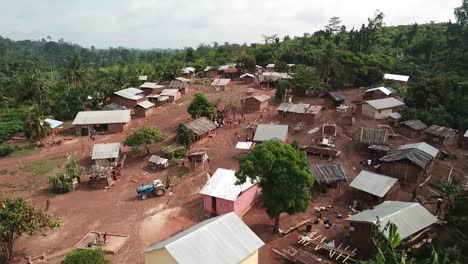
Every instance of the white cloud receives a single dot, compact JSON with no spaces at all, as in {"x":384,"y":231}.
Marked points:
{"x":181,"y":23}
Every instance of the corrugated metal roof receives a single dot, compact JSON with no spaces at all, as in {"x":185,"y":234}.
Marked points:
{"x":102,"y":117}
{"x":422,"y":146}
{"x":440,"y":131}
{"x":222,"y":184}
{"x":247,"y":74}
{"x":223,"y":239}
{"x":416,"y":156}
{"x":373,"y":136}
{"x":146,"y":104}
{"x":409,"y":218}
{"x":106,"y":151}
{"x":261,"y":97}
{"x":337,"y":96}
{"x":151,"y":85}
{"x":396,"y":77}
{"x":157,"y":160}
{"x":415,"y":124}
{"x":328,"y":173}
{"x":395,"y":115}
{"x":182,"y":79}
{"x":386,"y":91}
{"x":373,"y":183}
{"x":267,"y":132}
{"x":53,"y":123}
{"x":273,"y":76}
{"x":188,"y":70}
{"x":114,"y":106}
{"x":169,"y":92}
{"x":300,"y":108}
{"x":220,"y":82}
{"x":244,"y":145}
{"x":142,"y":78}
{"x":385,"y":103}
{"x":207,"y":68}
{"x":201,"y":126}
{"x":130,"y":93}
{"x":179,"y":85}
{"x":466,"y":133}
{"x":271,"y":65}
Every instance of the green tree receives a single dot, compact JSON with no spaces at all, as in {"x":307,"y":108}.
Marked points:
{"x":306,"y":79}
{"x":461,"y":13}
{"x":249,"y":62}
{"x":201,"y":106}
{"x":281,"y":66}
{"x":185,"y":136}
{"x":282,"y":87}
{"x":87,"y":256}
{"x":450,"y":189}
{"x":334,"y":25}
{"x":74,"y":73}
{"x":35,"y":127}
{"x":145,"y":137}
{"x":18,"y":217}
{"x":282,"y":173}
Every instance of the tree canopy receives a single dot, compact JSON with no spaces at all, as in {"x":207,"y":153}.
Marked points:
{"x":201,"y":106}
{"x":282,"y":173}
{"x":145,"y":137}
{"x":87,"y":256}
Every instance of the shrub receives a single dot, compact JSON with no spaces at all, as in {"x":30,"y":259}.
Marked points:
{"x":88,"y":256}
{"x":62,"y":182}
{"x":6,"y":150}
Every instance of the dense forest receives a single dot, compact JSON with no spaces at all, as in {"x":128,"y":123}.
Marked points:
{"x":57,"y":78}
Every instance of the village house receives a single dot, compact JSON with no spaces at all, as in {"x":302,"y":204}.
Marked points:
{"x":266,"y":132}
{"x":270,"y":79}
{"x":201,"y":127}
{"x":407,"y":165}
{"x":299,"y":112}
{"x":334,"y":99}
{"x":423,"y":146}
{"x":400,"y":79}
{"x":221,"y":194}
{"x":180,"y":83}
{"x":219,"y":85}
{"x":373,"y":188}
{"x":232,"y":73}
{"x":328,"y":175}
{"x":394,"y":118}
{"x":151,"y":88}
{"x":128,"y":97}
{"x":209,"y":72}
{"x":443,"y":136}
{"x":247,"y":78}
{"x":411,"y":128}
{"x":255,"y":103}
{"x":223,"y":239}
{"x":158,"y":162}
{"x":188,"y":72}
{"x":196,"y":159}
{"x":378,"y":93}
{"x":143,"y":109}
{"x":112,"y":121}
{"x":106,"y":155}
{"x":105,"y":169}
{"x":270,"y":67}
{"x":411,"y":219}
{"x":55,"y":125}
{"x":381,"y":108}
{"x":373,"y":136}
{"x":172,"y":95}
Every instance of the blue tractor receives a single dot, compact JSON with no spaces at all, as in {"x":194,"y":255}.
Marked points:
{"x":156,"y":188}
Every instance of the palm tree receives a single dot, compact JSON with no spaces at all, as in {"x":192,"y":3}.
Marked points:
{"x":35,"y":127}
{"x":328,"y":65}
{"x":73,"y":72}
{"x":450,"y":189}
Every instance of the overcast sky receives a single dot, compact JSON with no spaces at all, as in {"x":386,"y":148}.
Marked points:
{"x":182,"y":23}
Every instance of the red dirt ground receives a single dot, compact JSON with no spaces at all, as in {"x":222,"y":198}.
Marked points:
{"x":117,"y":210}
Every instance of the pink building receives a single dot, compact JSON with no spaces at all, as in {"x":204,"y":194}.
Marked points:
{"x":221,"y":195}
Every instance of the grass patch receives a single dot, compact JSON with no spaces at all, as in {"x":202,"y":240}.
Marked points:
{"x":24,"y":151}
{"x":44,"y":167}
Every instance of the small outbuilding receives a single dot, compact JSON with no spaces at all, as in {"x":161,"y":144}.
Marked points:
{"x":411,"y":219}
{"x":378,"y":93}
{"x":172,"y":94}
{"x":245,"y":147}
{"x":221,"y":194}
{"x":223,"y":239}
{"x":394,"y":118}
{"x":114,"y":106}
{"x":201,"y":126}
{"x":209,"y":72}
{"x":328,"y":174}
{"x":255,"y":103}
{"x":151,"y":88}
{"x":299,"y":112}
{"x":158,"y":162}
{"x":270,"y":67}
{"x":219,"y":85}
{"x":188,"y":72}
{"x":55,"y":125}
{"x":144,"y":109}
{"x":272,"y":78}
{"x":443,"y":136}
{"x":128,"y":97}
{"x":373,"y":188}
{"x":407,"y":165}
{"x":381,"y":108}
{"x":112,"y":121}
{"x":180,"y":83}
{"x":373,"y":136}
{"x":247,"y":78}
{"x":400,"y":79}
{"x":197,"y":159}
{"x":334,"y":99}
{"x":411,"y":128}
{"x":266,"y":132}
{"x":106,"y":155}
{"x":423,"y":146}
{"x":143,"y":78}
{"x":231,"y":73}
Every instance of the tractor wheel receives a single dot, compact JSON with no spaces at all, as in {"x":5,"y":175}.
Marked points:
{"x":160,"y":192}
{"x":143,"y":196}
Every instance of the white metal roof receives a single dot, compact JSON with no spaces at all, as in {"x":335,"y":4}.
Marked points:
{"x":385,"y":103}
{"x":102,"y":117}
{"x":396,"y":77}
{"x":384,"y":90}
{"x":271,"y":65}
{"x":157,"y":160}
{"x":395,"y":115}
{"x":130,"y":93}
{"x":169,"y":92}
{"x":182,"y":79}
{"x":146,"y":104}
{"x":423,"y":146}
{"x":410,"y":218}
{"x":373,"y":183}
{"x":106,"y":151}
{"x":223,"y":239}
{"x":247,"y":74}
{"x":142,"y":78}
{"x":222,"y":184}
{"x":466,"y":133}
{"x":244,"y":145}
{"x":207,"y":68}
{"x":267,"y":132}
{"x":53,"y":123}
{"x":220,"y":82}
{"x":151,"y":85}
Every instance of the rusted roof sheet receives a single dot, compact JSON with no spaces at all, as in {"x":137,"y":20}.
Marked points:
{"x":179,"y":85}
{"x":337,"y":96}
{"x":328,"y":173}
{"x":373,"y":136}
{"x":322,"y":151}
{"x":416,"y":156}
{"x":220,"y":82}
{"x":145,"y":104}
{"x":299,"y":108}
{"x":151,"y":85}
{"x":261,"y":97}
{"x":415,"y":124}
{"x":441,"y":132}
{"x":201,"y":126}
